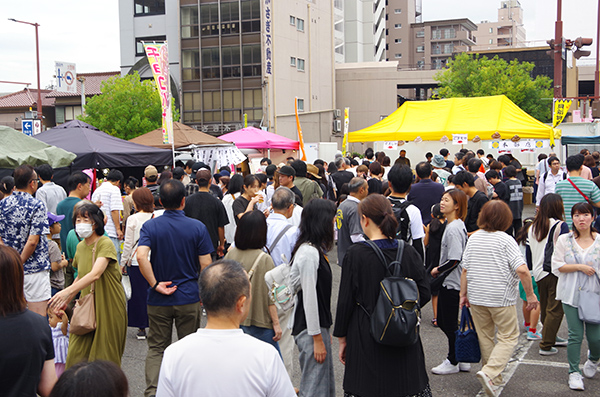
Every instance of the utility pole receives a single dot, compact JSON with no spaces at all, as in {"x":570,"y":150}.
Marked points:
{"x":558,"y":31}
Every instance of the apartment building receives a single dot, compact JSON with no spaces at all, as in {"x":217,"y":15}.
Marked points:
{"x":507,"y":31}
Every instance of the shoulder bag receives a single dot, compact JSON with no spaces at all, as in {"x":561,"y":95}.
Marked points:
{"x":589,"y":302}
{"x":83,"y":320}
{"x":253,"y":268}
{"x":467,"y":345}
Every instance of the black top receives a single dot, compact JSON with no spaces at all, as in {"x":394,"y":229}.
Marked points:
{"x":375,"y":186}
{"x":435,"y":244}
{"x":474,"y":206}
{"x":298,"y":194}
{"x":208,"y":210}
{"x":324,"y":283}
{"x":25,"y":344}
{"x":373,"y":369}
{"x":502,"y":191}
{"x":341,"y":177}
{"x":216,"y":191}
{"x":239,"y":207}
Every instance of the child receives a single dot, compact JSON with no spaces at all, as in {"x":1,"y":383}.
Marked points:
{"x":57,"y":260}
{"x":433,"y":241}
{"x":60,"y":338}
{"x":515,"y":189}
{"x":532,"y":317}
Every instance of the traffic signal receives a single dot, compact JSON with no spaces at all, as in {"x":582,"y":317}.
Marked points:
{"x":580,"y":42}
{"x":550,"y":52}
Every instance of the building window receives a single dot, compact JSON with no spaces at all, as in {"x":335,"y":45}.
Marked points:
{"x":189,"y":22}
{"x":420,"y":64}
{"x":436,"y":50}
{"x":230,"y":18}
{"x":190,"y":65}
{"x":449,"y":33}
{"x":210,"y":63}
{"x":293,"y":61}
{"x":251,"y":57}
{"x":300,"y":24}
{"x":300,"y":105}
{"x":250,"y":16}
{"x":149,"y":7}
{"x":139,"y":47}
{"x":491,"y":30}
{"x":436,"y":34}
{"x":300,"y":64}
{"x":448,"y":48}
{"x":421,"y":48}
{"x":398,"y":41}
{"x":292,"y":20}
{"x":253,"y":104}
{"x":438,"y":63}
{"x":230,"y":61}
{"x":491,"y":41}
{"x":398,"y":11}
{"x":421,"y":33}
{"x":397,"y":56}
{"x":398,"y":26}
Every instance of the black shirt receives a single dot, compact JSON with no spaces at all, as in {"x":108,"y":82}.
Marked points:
{"x":239,"y":207}
{"x":298,"y":193}
{"x":502,"y":191}
{"x":25,"y":345}
{"x":341,"y":177}
{"x":208,"y":210}
{"x":474,"y":206}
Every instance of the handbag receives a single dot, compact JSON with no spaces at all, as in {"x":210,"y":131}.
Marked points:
{"x":467,"y":344}
{"x":126,"y":283}
{"x":589,"y":303}
{"x":280,"y":287}
{"x":83,"y":320}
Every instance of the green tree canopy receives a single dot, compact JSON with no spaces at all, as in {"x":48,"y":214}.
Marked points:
{"x":469,"y":75}
{"x":128,"y":107}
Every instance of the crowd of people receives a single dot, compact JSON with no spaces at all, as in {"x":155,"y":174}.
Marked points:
{"x":192,"y":242}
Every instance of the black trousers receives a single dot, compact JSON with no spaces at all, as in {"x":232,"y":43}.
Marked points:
{"x":447,"y":318}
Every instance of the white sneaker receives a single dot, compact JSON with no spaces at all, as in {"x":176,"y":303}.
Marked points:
{"x":575,"y":381}
{"x":445,"y":368}
{"x":590,"y":368}
{"x":487,"y":384}
{"x":464,"y":367}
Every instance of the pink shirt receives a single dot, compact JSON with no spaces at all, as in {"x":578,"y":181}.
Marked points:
{"x":586,"y":173}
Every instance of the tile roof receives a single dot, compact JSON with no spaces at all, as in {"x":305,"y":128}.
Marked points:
{"x":25,"y":98}
{"x":93,"y":82}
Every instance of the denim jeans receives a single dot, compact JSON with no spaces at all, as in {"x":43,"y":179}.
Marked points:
{"x":317,"y":379}
{"x":117,"y":243}
{"x":264,"y":334}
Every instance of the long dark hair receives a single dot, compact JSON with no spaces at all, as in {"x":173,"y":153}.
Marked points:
{"x":12,"y":298}
{"x":521,"y":236}
{"x":378,"y":209}
{"x":436,"y":218}
{"x":316,"y":225}
{"x":582,"y":208}
{"x":251,"y":232}
{"x":235,"y":184}
{"x":551,"y":206}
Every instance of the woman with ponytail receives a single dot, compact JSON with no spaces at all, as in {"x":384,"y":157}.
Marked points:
{"x":373,"y":369}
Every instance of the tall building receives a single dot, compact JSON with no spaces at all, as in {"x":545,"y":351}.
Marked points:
{"x":508,"y":31}
{"x":401,"y":14}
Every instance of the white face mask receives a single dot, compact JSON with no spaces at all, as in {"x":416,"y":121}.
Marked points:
{"x":84,"y":230}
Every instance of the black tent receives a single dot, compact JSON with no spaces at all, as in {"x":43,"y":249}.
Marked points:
{"x":97,"y":149}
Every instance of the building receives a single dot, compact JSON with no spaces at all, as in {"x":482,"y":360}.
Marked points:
{"x":507,"y":31}
{"x":13,"y":108}
{"x":362,"y":30}
{"x":400,"y":15}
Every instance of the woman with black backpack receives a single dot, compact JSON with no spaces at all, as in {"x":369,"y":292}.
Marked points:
{"x":373,"y":368}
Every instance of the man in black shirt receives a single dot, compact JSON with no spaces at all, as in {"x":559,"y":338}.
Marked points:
{"x":208,"y":210}
{"x":466,"y":182}
{"x":286,"y":178}
{"x":500,"y":188}
{"x":341,"y":176}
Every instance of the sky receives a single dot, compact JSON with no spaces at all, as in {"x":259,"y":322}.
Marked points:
{"x":86,"y":32}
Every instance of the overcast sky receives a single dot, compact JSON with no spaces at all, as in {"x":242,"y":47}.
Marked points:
{"x":87,"y":32}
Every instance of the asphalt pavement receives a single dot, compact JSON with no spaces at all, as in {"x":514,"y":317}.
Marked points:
{"x":528,"y":373}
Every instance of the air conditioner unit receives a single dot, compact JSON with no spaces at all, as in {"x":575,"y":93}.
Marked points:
{"x":337,"y":113}
{"x":337,"y":125}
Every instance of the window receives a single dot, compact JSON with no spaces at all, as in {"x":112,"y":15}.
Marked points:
{"x":491,"y":41}
{"x":149,"y":7}
{"x":398,"y":26}
{"x":292,"y":20}
{"x":253,"y":104}
{"x":300,"y":105}
{"x":436,"y":34}
{"x":300,"y":24}
{"x":210,"y":63}
{"x":139,"y":47}
{"x":250,"y":16}
{"x":449,"y":33}
{"x":421,"y":33}
{"x":230,"y":61}
{"x":209,"y":20}
{"x":230,"y":18}
{"x":251,"y":60}
{"x":398,"y":41}
{"x":448,"y":48}
{"x":293,"y":61}
{"x":421,"y":48}
{"x":436,"y":50}
{"x":190,"y":65}
{"x":420,"y":64}
{"x":398,"y":11}
{"x":189,"y":22}
{"x":300,"y":64}
{"x":397,"y":56}
{"x":491,"y":30}
{"x":438,"y":64}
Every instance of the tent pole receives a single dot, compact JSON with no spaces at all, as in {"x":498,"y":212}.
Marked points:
{"x":173,"y":151}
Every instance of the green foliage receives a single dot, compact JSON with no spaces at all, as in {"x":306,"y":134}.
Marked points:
{"x":128,"y":107}
{"x":470,"y":75}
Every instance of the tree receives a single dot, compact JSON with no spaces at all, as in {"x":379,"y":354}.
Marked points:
{"x":128,"y":107}
{"x":469,"y":75}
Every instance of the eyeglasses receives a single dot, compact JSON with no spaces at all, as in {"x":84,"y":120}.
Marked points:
{"x":35,"y":180}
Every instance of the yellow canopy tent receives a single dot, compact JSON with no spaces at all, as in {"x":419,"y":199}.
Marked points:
{"x":431,"y":120}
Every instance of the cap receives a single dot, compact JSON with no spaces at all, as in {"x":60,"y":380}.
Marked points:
{"x":150,"y":171}
{"x":178,"y":173}
{"x":313,"y":170}
{"x":52,"y":219}
{"x":203,"y":174}
{"x":287,"y":171}
{"x":197,"y":166}
{"x":438,"y":161}
{"x":225,"y":173}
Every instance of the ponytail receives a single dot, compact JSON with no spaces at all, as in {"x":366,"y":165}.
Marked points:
{"x":379,"y":210}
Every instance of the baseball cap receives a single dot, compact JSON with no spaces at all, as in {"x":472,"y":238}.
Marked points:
{"x":225,"y":173}
{"x":150,"y":171}
{"x":196,"y":167}
{"x":52,"y":219}
{"x":313,"y":170}
{"x":287,"y":171}
{"x":203,"y":174}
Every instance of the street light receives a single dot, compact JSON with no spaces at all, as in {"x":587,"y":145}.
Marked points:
{"x":37,"y":54}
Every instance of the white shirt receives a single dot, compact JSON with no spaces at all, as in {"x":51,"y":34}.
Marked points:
{"x":231,"y":226}
{"x":110,"y":195}
{"x":296,"y":216}
{"x":275,"y":225}
{"x":214,"y":362}
{"x":548,"y":185}
{"x":132,"y":236}
{"x":51,"y":194}
{"x":538,"y":250}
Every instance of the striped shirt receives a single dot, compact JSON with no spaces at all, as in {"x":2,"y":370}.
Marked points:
{"x":491,"y":260}
{"x":571,"y":196}
{"x":61,"y":343}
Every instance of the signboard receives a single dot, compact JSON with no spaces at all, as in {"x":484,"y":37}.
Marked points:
{"x":27,"y":127}
{"x":158,"y":58}
{"x":66,"y":77}
{"x":523,"y":144}
{"x":393,"y":145}
{"x":459,"y":139}
{"x":561,"y":107}
{"x":268,"y":37}
{"x":345,"y":142}
{"x":37,"y":126}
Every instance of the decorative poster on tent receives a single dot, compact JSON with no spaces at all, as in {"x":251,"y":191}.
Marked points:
{"x":459,"y":139}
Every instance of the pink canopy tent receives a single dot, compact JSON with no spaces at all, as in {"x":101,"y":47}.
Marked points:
{"x":253,"y":138}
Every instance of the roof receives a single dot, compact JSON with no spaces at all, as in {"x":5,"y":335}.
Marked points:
{"x":25,"y":99}
{"x":93,"y":83}
{"x":18,"y":148}
{"x":183,"y":135}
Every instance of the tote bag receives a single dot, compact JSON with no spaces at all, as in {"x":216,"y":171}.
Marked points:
{"x":83,"y":320}
{"x":589,"y":302}
{"x":467,"y":344}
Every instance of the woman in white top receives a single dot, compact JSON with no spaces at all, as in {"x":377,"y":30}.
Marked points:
{"x":234,"y":190}
{"x":576,"y":262}
{"x":137,"y":311}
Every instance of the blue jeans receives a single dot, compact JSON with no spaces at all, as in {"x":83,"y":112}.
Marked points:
{"x":264,"y":334}
{"x":317,"y":379}
{"x":117,"y":243}
{"x":55,"y":291}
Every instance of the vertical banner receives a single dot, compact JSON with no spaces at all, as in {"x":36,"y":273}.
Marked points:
{"x":345,"y":143}
{"x":300,"y":136}
{"x":561,"y":107}
{"x":158,"y":58}
{"x":268,"y":37}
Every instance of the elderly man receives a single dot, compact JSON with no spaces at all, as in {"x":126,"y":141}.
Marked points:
{"x":23,"y":219}
{"x":347,"y":218}
{"x":221,"y":359}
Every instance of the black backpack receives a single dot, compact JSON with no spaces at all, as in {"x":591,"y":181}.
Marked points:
{"x":403,"y":231}
{"x":397,"y":314}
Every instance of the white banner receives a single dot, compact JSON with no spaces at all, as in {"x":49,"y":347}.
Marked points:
{"x":392,"y":145}
{"x":218,"y":156}
{"x":526,"y":144}
{"x":66,"y":77}
{"x":459,"y":139}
